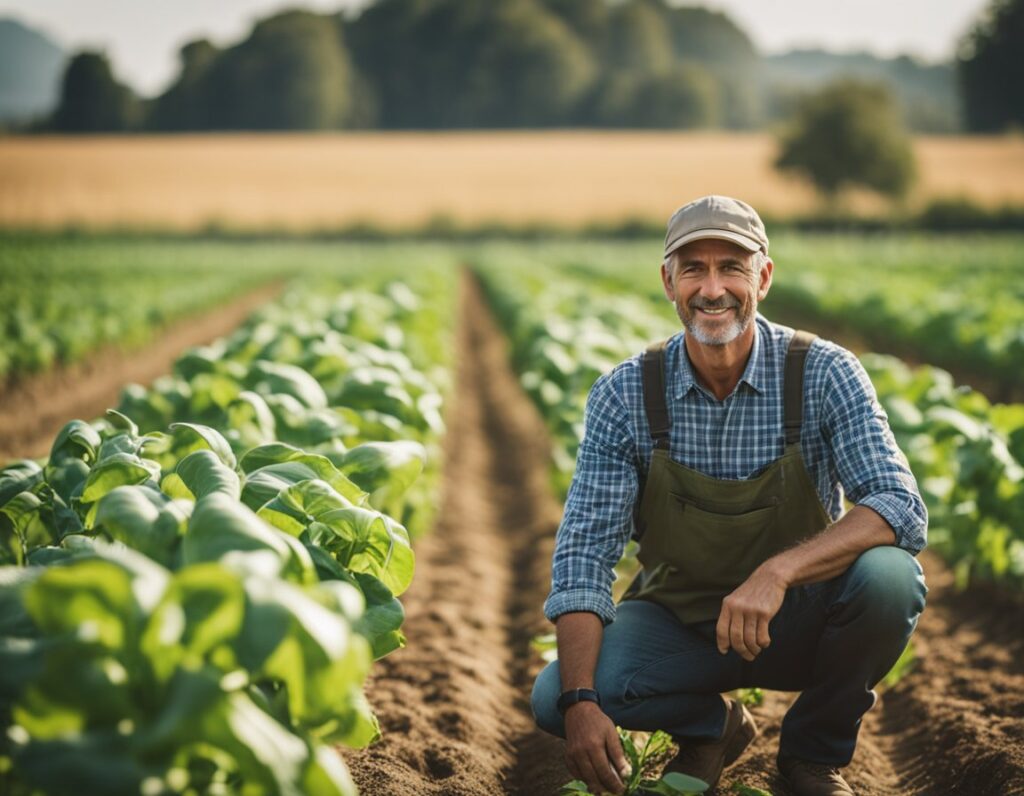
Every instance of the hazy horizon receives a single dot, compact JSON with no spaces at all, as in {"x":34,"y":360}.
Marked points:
{"x":142,"y":37}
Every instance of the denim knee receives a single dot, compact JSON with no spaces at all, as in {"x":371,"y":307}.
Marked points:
{"x":887,"y":582}
{"x":544,"y":700}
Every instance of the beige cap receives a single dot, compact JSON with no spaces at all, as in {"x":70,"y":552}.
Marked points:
{"x":719,"y":217}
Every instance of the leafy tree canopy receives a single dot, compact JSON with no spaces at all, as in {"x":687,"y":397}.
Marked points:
{"x":849,"y":134}
{"x":91,"y":99}
{"x":991,"y":68}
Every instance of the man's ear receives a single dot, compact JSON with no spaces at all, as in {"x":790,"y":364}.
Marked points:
{"x":765,"y":278}
{"x":666,"y":280}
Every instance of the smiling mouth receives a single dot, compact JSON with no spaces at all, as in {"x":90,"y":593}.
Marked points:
{"x":714,"y":311}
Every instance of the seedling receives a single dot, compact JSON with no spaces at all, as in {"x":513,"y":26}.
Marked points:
{"x":644,"y":761}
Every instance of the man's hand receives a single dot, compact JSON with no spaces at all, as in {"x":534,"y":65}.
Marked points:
{"x":746,"y":612}
{"x":593,"y":750}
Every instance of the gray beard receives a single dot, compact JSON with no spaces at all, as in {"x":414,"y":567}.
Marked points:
{"x":695,"y":328}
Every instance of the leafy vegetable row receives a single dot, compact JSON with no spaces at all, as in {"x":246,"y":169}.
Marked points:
{"x":194,"y":609}
{"x":63,"y":299}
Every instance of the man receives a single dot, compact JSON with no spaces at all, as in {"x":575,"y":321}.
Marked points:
{"x":727,"y":451}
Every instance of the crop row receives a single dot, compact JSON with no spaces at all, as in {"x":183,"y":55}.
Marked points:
{"x":63,"y":299}
{"x":195,"y":588}
{"x":567,"y":326}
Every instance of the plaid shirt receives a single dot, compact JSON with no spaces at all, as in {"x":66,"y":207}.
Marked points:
{"x":845,"y":440}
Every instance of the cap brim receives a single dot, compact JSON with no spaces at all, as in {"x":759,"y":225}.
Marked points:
{"x":749,"y":244}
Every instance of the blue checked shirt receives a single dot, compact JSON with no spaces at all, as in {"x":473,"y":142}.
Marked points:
{"x":845,"y":440}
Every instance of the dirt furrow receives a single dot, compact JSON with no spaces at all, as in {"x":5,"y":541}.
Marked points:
{"x":452,"y":705}
{"x":34,"y":409}
{"x":956,"y":723}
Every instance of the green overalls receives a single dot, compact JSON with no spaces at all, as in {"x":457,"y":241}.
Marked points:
{"x":701,"y":537}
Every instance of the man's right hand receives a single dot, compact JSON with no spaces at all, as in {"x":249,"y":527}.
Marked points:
{"x":593,"y":750}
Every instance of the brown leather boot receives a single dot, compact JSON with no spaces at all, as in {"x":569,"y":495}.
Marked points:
{"x":707,"y":760}
{"x":813,"y":779}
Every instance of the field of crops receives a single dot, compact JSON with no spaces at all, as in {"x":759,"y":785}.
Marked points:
{"x":212,"y":588}
{"x":552,"y":179}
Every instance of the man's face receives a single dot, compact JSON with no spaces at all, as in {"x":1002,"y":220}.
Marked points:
{"x":716,"y":286}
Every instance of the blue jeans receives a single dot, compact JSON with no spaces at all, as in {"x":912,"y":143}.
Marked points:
{"x":832,"y":640}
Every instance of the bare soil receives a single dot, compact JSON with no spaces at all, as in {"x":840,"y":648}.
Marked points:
{"x":33,"y":409}
{"x":454,"y":705}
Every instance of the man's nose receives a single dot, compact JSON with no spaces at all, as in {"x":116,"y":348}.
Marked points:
{"x":712,"y":287}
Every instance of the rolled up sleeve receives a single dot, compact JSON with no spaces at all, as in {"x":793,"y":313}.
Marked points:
{"x":872,"y":469}
{"x":597,"y":521}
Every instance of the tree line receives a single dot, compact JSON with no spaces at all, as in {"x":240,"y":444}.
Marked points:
{"x":440,"y":64}
{"x":444,"y":64}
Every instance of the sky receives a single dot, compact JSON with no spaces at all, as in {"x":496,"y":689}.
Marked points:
{"x":142,"y":37}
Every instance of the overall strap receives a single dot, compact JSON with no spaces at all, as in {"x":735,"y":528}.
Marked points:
{"x":655,"y":408}
{"x":793,"y":385}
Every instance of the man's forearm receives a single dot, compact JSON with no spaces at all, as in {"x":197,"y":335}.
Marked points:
{"x":831,"y":552}
{"x":579,"y":642}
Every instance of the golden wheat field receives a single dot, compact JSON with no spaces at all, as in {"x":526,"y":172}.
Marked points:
{"x":399,"y":180}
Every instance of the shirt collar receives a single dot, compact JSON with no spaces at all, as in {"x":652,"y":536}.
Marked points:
{"x":753,"y":373}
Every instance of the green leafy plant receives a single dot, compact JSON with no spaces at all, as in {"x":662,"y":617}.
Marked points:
{"x":645,"y":759}
{"x":193,"y":607}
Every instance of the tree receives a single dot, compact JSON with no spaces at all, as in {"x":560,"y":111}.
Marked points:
{"x":638,"y":38}
{"x":991,"y":68}
{"x":185,"y":106}
{"x":684,"y":97}
{"x":91,"y":100}
{"x":470,"y":63}
{"x":292,"y":73}
{"x":848,"y":134}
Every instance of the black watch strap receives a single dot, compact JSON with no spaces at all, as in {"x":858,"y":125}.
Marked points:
{"x":570,"y":698}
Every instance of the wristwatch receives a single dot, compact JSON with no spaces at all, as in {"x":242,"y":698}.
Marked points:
{"x":570,"y":698}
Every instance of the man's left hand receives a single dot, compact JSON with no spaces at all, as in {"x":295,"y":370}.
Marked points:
{"x":746,"y":612}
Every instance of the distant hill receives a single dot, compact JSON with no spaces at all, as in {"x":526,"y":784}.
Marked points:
{"x":926,"y":92}
{"x":30,"y":71}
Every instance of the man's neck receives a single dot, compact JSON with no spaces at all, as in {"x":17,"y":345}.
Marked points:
{"x":719,"y":367}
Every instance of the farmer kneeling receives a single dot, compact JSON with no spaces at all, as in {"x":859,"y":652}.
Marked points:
{"x":727,"y":451}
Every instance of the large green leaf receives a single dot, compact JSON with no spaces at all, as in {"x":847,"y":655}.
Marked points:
{"x":190,"y":437}
{"x":276,"y":378}
{"x":384,"y":469}
{"x":250,"y":420}
{"x":19,"y":476}
{"x":220,"y":527}
{"x":297,"y":506}
{"x":118,"y":469}
{"x":382,"y":617}
{"x":67,"y":478}
{"x":77,"y":440}
{"x":367,"y":541}
{"x":197,"y":621}
{"x":90,"y":599}
{"x":268,"y":482}
{"x":203,"y":473}
{"x":142,"y":518}
{"x":24,"y":527}
{"x":309,"y":646}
